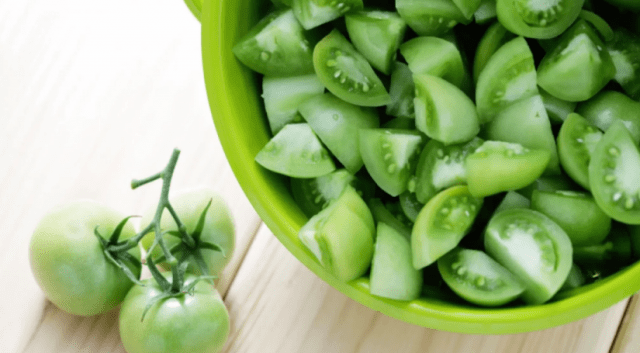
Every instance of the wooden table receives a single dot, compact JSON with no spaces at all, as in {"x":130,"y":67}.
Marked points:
{"x":94,"y":94}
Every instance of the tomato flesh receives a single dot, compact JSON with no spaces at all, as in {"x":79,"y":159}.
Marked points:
{"x":494,"y":38}
{"x":434,"y":56}
{"x":625,"y":53}
{"x":313,"y":13}
{"x":576,"y":141}
{"x":538,"y":18}
{"x":430,"y":18}
{"x":402,"y":92}
{"x":610,"y":106}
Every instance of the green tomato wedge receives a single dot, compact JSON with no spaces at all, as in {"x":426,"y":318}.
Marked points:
{"x":443,"y":111}
{"x":610,"y":106}
{"x":512,"y":200}
{"x":377,"y":35}
{"x":402,"y":92}
{"x":508,"y":76}
{"x":434,"y":56}
{"x":430,"y":18}
{"x":346,"y":73}
{"x":340,"y":238}
{"x":548,"y":183}
{"x":336,"y":122}
{"x":442,"y":223}
{"x":392,"y":273}
{"x":486,"y":12}
{"x":534,"y":248}
{"x":315,"y":194}
{"x":382,"y":214}
{"x":538,"y":18}
{"x":578,"y":67}
{"x":613,"y":175}
{"x":440,"y":167}
{"x":313,"y":13}
{"x":389,"y":156}
{"x":296,"y":152}
{"x":276,"y":46}
{"x":599,"y":24}
{"x":576,"y":212}
{"x":557,"y":109}
{"x":498,"y":166}
{"x":614,"y":251}
{"x":467,"y":7}
{"x":576,"y":141}
{"x":574,"y":280}
{"x":283,"y":95}
{"x":478,"y":278}
{"x":410,"y":205}
{"x":526,"y":122}
{"x":400,"y":123}
{"x":494,"y":38}
{"x":625,"y":53}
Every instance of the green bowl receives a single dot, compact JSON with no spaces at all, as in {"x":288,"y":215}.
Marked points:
{"x":234,"y":97}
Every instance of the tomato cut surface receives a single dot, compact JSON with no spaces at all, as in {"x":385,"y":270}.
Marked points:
{"x":610,"y":106}
{"x":557,"y":109}
{"x":613,"y":175}
{"x":276,"y":46}
{"x":508,"y":76}
{"x":576,"y":141}
{"x":538,"y":18}
{"x":486,"y":12}
{"x":336,"y":123}
{"x":313,"y":13}
{"x":532,"y":247}
{"x":494,"y":38}
{"x":430,"y":18}
{"x":296,"y":152}
{"x":434,"y":56}
{"x":402,"y":92}
{"x":346,"y":73}
{"x":625,"y":53}
{"x":478,"y":278}
{"x":314,"y":194}
{"x":442,"y":223}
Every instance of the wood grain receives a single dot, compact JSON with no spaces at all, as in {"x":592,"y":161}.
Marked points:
{"x":278,"y":305}
{"x":628,"y":338}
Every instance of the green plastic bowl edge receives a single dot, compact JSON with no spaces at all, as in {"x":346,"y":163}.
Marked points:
{"x":236,"y":110}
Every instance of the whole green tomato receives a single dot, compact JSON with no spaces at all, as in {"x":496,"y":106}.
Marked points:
{"x":197,"y":323}
{"x":68,"y":261}
{"x":218,"y":227}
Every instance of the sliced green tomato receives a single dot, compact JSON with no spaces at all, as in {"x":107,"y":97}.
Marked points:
{"x":410,"y":205}
{"x":313,"y":195}
{"x":494,"y":38}
{"x":276,"y":46}
{"x":336,"y":122}
{"x":538,"y":18}
{"x":532,"y":247}
{"x":389,"y":156}
{"x":467,"y":7}
{"x":478,"y":278}
{"x":313,"y":13}
{"x":508,"y":76}
{"x":402,"y":92}
{"x":339,"y":238}
{"x":434,"y":56}
{"x":599,"y":23}
{"x":578,"y":67}
{"x":576,"y":212}
{"x":400,"y":123}
{"x":377,"y":35}
{"x":576,"y":141}
{"x":442,"y":223}
{"x":513,"y":200}
{"x":613,"y":175}
{"x":443,"y":111}
{"x":557,"y":109}
{"x":574,"y":280}
{"x":430,"y":18}
{"x":283,"y":95}
{"x":392,"y":273}
{"x":440,"y":167}
{"x":501,"y":166}
{"x":486,"y":11}
{"x":625,"y":53}
{"x":526,"y":122}
{"x":346,"y":73}
{"x":382,"y":214}
{"x":296,"y":152}
{"x":610,"y":106}
{"x":614,"y":251}
{"x":553,"y":183}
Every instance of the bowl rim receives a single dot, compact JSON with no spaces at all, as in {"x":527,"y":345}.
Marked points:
{"x":223,"y":72}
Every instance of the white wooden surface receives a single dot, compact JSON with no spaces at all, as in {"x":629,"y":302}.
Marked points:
{"x":93,"y":94}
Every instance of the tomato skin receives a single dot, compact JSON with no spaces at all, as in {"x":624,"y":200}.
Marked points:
{"x":194,"y":324}
{"x":68,"y":261}
{"x":525,"y":22}
{"x":218,"y":227}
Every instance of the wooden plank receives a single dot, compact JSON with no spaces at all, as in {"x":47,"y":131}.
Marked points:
{"x":93,"y":96}
{"x":281,"y":306}
{"x":628,"y":338}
